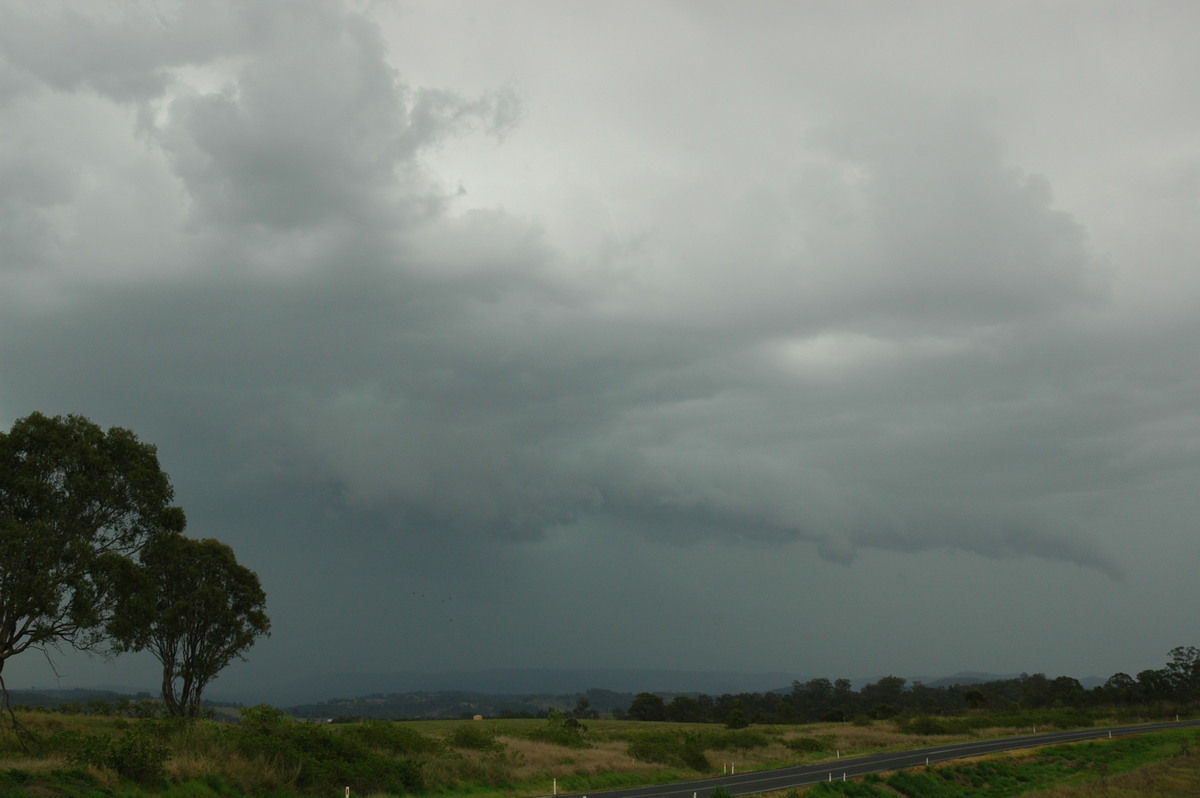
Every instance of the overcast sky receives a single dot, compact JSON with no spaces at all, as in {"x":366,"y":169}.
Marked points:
{"x":834,"y":338}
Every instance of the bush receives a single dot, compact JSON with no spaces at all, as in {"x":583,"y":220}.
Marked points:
{"x":320,"y":757}
{"x":135,"y":755}
{"x":924,"y":724}
{"x":473,"y":736}
{"x":680,"y":748}
{"x":391,"y":738}
{"x":561,"y":730}
{"x":138,"y":757}
{"x":262,"y":717}
{"x":807,"y":744}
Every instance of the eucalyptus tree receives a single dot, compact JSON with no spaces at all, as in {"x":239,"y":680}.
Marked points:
{"x":190,"y":604}
{"x":76,"y":502}
{"x":1183,"y":670}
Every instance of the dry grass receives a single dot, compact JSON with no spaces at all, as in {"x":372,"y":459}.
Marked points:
{"x":756,"y":758}
{"x":245,"y":774}
{"x":852,"y":740}
{"x":31,"y":764}
{"x":541,"y":761}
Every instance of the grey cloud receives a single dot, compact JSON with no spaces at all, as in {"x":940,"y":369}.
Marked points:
{"x":936,"y":231}
{"x":906,"y":220}
{"x":896,"y":341}
{"x":123,"y":51}
{"x":294,"y":140}
{"x":35,"y":185}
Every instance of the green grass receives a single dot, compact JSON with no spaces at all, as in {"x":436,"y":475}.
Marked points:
{"x":1086,"y":766}
{"x":272,"y":755}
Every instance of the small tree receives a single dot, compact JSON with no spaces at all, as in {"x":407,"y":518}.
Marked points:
{"x":75,"y":503}
{"x":1183,"y":670}
{"x":647,"y":706}
{"x":191,"y":605}
{"x":583,"y":709}
{"x":736,"y":718}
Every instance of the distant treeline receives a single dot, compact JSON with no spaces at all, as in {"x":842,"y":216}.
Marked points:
{"x":824,"y":700}
{"x":84,"y":701}
{"x":453,"y":704}
{"x":1178,"y":682}
{"x":1174,"y":685}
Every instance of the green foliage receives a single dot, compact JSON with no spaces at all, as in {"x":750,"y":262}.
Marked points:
{"x":191,"y":605}
{"x":923,"y":724}
{"x":136,"y":755}
{"x":809,"y":744}
{"x":98,"y":706}
{"x":76,"y":502}
{"x":270,"y":755}
{"x":561,"y":730}
{"x":20,"y":783}
{"x":1035,"y":770}
{"x":148,"y":708}
{"x":854,"y":789}
{"x":930,"y":784}
{"x":319,"y":757}
{"x":884,"y":711}
{"x":685,"y":709}
{"x":474,"y":736}
{"x":679,"y":748}
{"x":391,"y":738}
{"x":263,"y":717}
{"x":647,"y":706}
{"x":720,"y":792}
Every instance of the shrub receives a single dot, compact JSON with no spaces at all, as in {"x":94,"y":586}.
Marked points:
{"x":807,"y":744}
{"x":319,"y":757}
{"x":473,"y":736}
{"x":262,"y":717}
{"x":391,"y":738}
{"x":138,"y":757}
{"x":135,"y":755}
{"x":561,"y":730}
{"x":680,"y":748}
{"x":924,"y":724}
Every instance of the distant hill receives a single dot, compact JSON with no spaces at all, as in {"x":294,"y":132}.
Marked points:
{"x":50,"y":697}
{"x":979,"y":677}
{"x":963,"y":678}
{"x":502,"y":689}
{"x":458,"y":704}
{"x":508,"y":682}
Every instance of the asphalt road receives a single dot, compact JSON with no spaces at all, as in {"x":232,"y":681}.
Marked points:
{"x":853,"y":767}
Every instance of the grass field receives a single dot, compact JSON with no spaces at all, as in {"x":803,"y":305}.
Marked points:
{"x":272,"y":755}
{"x":1159,"y":764}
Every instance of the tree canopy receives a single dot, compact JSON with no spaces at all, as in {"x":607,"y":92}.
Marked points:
{"x":191,"y":605}
{"x":76,"y":502}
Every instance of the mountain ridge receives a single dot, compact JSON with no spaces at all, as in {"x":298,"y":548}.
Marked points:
{"x":511,"y":682}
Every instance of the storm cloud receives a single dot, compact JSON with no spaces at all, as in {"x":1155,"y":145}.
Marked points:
{"x":459,"y":296}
